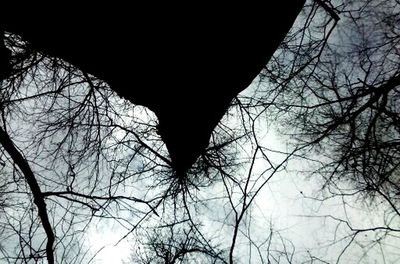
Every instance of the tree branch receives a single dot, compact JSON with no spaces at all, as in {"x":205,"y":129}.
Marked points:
{"x":38,"y":197}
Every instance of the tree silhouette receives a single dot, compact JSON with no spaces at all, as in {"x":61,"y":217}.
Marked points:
{"x":76,"y":151}
{"x":339,"y":92}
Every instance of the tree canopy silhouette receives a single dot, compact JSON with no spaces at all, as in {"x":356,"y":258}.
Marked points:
{"x":184,"y":67}
{"x":141,"y":120}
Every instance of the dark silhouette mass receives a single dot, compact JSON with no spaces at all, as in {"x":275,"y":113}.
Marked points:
{"x":184,"y":63}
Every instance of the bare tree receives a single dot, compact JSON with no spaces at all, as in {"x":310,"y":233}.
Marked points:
{"x":335,"y":86}
{"x":80,"y":153}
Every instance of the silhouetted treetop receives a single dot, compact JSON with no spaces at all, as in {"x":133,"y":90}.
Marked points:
{"x":186,"y":63}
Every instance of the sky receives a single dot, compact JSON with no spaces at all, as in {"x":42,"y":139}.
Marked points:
{"x":289,"y":207}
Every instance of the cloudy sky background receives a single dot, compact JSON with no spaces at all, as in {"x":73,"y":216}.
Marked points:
{"x":290,"y":208}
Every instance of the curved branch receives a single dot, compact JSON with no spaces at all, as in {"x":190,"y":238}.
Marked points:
{"x":38,"y":197}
